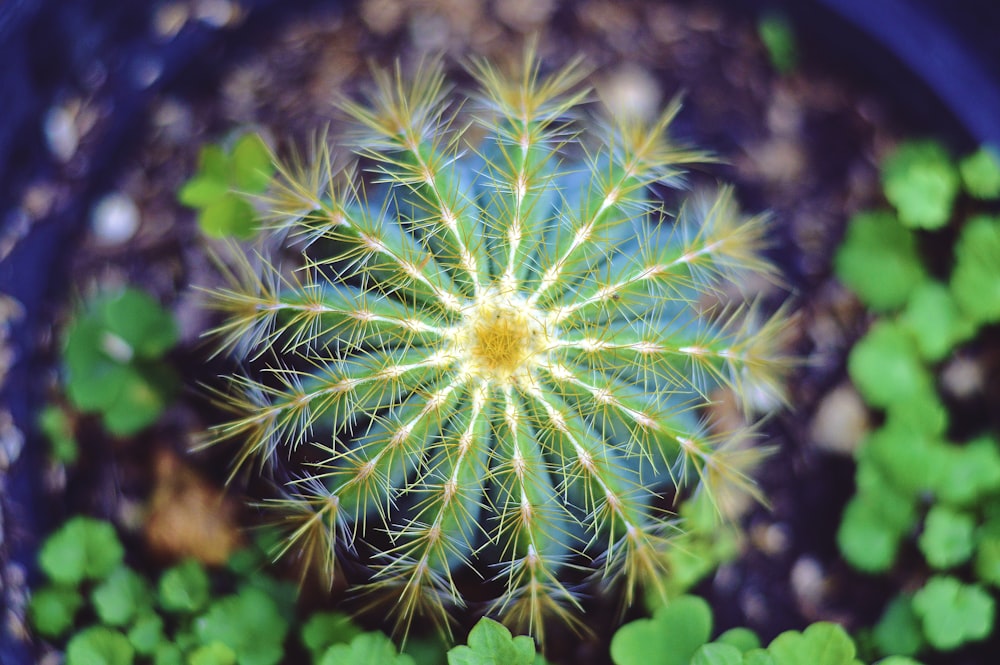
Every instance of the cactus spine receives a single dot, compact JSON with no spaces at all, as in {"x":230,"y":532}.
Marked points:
{"x":494,"y":360}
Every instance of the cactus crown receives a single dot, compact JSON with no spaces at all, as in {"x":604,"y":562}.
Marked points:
{"x":494,"y":359}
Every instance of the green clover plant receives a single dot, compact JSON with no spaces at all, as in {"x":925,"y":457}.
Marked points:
{"x":224,"y":183}
{"x":113,"y":356}
{"x":916,"y":486}
{"x":679,"y":634}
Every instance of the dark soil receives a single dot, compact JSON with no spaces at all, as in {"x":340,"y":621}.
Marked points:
{"x":803,"y":146}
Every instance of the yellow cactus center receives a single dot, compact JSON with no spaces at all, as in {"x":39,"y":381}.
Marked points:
{"x":502,"y":337}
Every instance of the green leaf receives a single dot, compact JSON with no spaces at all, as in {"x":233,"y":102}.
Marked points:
{"x":55,"y":424}
{"x":921,"y":182}
{"x":898,"y":660}
{"x":53,"y":609}
{"x":947,"y":539}
{"x":776,"y":33}
{"x":82,"y":549}
{"x":201,"y":191}
{"x":898,"y":630}
{"x":908,"y":457}
{"x":145,"y":392}
{"x":168,"y":654}
{"x":968,"y":473}
{"x":490,"y":643}
{"x":743,"y":639}
{"x":953,"y":613}
{"x":229,"y":216}
{"x":981,"y":173}
{"x":369,"y":649}
{"x":215,"y":653}
{"x":249,"y":623}
{"x":120,"y":597}
{"x":934,"y":320}
{"x":975,"y":280}
{"x":988,"y":553}
{"x":717,"y":654}
{"x":878,"y":260}
{"x":184,"y":589}
{"x":99,"y":645}
{"x":251,"y":163}
{"x":138,"y":319}
{"x":670,"y":637}
{"x":146,"y":634}
{"x":885,"y":366}
{"x":820,"y":644}
{"x":866,"y":540}
{"x":758,"y":657}
{"x":324,"y":629}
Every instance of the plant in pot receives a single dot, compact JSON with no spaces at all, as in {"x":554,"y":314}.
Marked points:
{"x":620,"y":39}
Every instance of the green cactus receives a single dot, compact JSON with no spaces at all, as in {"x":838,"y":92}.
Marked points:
{"x":494,"y":346}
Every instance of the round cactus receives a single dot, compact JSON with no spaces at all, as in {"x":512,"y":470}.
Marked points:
{"x":494,"y":348}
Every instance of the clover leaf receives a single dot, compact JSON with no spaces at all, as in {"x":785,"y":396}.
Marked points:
{"x":371,"y":648}
{"x":981,"y":173}
{"x":119,"y":597}
{"x":934,"y":320}
{"x":324,"y":629}
{"x":921,"y":182}
{"x":99,"y":645}
{"x":867,"y":540}
{"x":112,"y":356}
{"x":215,"y":653}
{"x":220,"y":187}
{"x":968,"y":473}
{"x":987,"y":563}
{"x":821,"y":643}
{"x":975,"y":280}
{"x":490,"y":643}
{"x":948,"y":538}
{"x":743,"y":639}
{"x":714,"y":653}
{"x":898,"y":630}
{"x":878,"y":260}
{"x":953,"y":613}
{"x":885,"y":366}
{"x":146,"y":633}
{"x":53,"y":609}
{"x":184,"y":588}
{"x":82,"y":549}
{"x":249,"y":623}
{"x":670,"y":637}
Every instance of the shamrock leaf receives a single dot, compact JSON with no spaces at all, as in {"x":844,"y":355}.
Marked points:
{"x":921,"y":182}
{"x":878,"y":260}
{"x":953,"y":613}
{"x":490,"y":643}
{"x":670,"y":637}
{"x":368,"y":649}
{"x":82,"y":549}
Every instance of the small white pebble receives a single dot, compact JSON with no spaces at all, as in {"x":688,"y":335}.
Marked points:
{"x":61,"y":133}
{"x":962,"y":377}
{"x":808,"y":581}
{"x":632,"y":92}
{"x":841,"y":420}
{"x":115,"y":219}
{"x":216,"y":13}
{"x":169,"y":19}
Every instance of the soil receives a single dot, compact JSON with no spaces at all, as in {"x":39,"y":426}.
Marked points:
{"x":803,"y":146}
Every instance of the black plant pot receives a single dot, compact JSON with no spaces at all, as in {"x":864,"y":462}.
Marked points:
{"x":941,"y":63}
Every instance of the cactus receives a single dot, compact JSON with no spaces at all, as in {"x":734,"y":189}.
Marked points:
{"x":492,"y":351}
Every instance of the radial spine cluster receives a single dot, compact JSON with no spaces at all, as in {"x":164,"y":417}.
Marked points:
{"x":495,"y":350}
